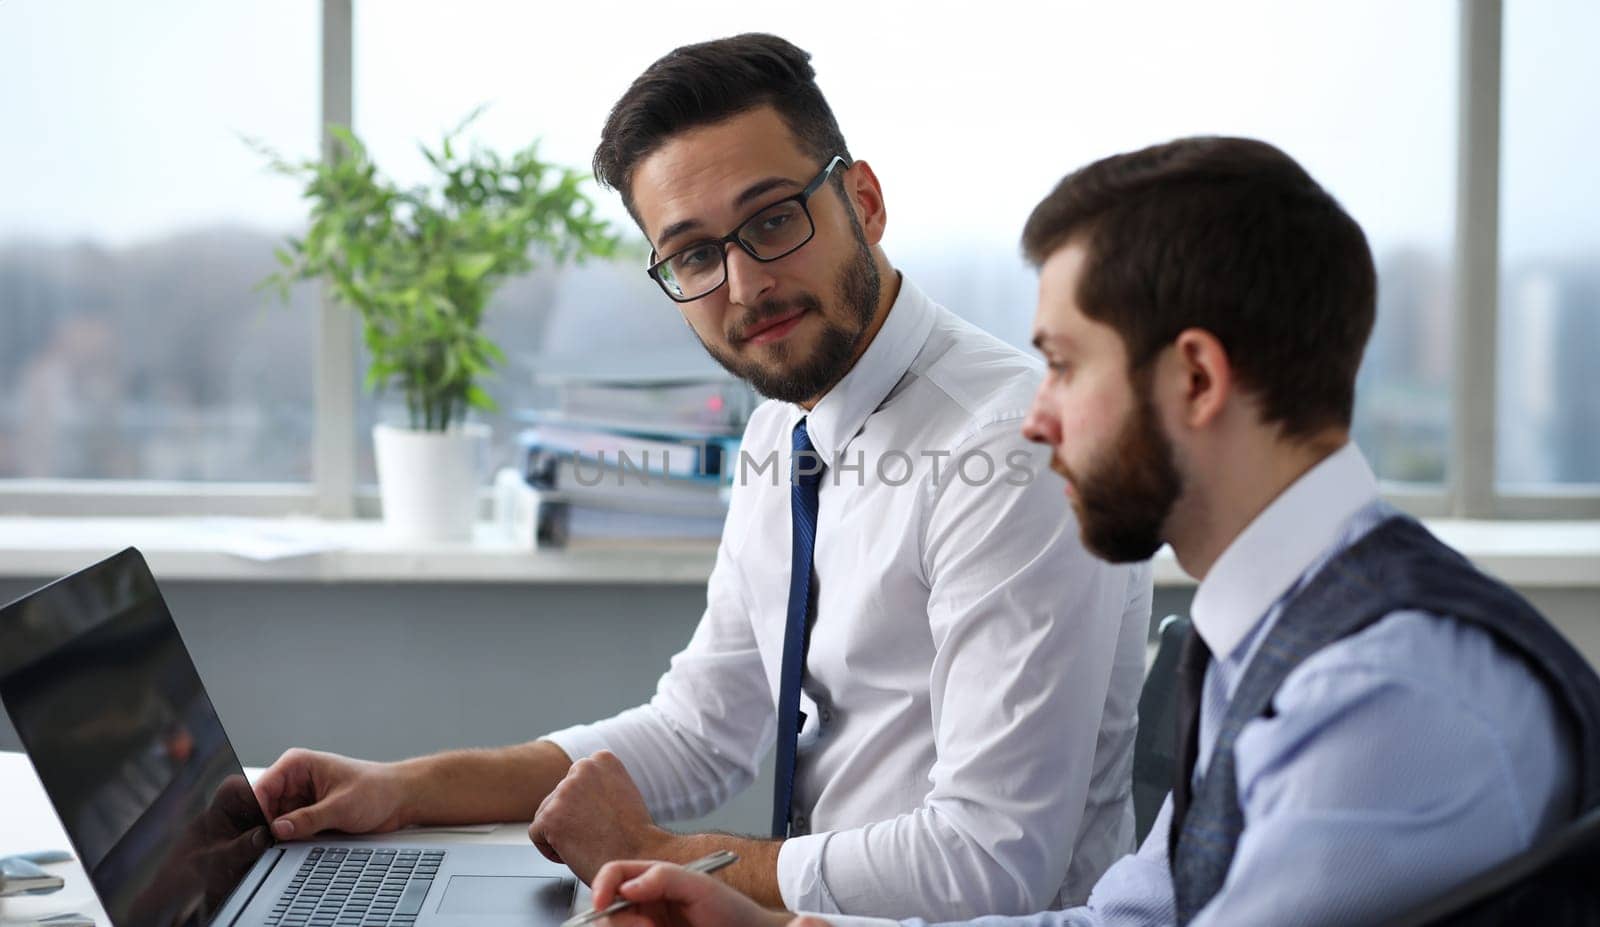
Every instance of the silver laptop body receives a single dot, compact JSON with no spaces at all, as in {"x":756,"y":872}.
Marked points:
{"x":124,"y":738}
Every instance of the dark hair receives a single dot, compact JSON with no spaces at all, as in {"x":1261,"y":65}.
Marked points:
{"x":1232,"y":236}
{"x":701,"y":84}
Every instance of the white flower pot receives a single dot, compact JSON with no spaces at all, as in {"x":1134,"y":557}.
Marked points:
{"x":429,"y":480}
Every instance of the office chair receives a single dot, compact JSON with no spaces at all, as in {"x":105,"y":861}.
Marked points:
{"x":1555,"y":884}
{"x":1155,"y":760}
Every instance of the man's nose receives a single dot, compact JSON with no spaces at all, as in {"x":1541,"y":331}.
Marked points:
{"x":748,"y":279}
{"x":1040,"y":425}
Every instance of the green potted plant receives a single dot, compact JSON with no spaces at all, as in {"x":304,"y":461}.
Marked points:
{"x":419,"y":266}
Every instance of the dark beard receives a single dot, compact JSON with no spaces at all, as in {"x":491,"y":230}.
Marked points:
{"x":1125,"y":495}
{"x":797,"y":380}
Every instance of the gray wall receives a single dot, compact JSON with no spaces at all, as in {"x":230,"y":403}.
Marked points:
{"x":389,"y":671}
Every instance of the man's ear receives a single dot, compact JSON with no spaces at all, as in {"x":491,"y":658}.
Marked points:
{"x":1201,"y":376}
{"x":866,"y":196}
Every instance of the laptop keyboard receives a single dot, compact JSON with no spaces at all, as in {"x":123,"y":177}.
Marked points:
{"x":357,"y":887}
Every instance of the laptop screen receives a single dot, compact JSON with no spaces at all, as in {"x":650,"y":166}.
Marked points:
{"x":110,"y":708}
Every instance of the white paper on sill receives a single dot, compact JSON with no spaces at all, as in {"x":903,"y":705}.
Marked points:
{"x":255,"y":540}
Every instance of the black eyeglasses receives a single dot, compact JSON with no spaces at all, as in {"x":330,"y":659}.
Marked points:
{"x":778,"y":230}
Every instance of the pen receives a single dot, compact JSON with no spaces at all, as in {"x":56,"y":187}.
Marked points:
{"x":46,"y":857}
{"x":708,"y":863}
{"x":54,"y":920}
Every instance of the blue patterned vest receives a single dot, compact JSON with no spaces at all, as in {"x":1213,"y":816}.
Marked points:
{"x":1397,"y":566}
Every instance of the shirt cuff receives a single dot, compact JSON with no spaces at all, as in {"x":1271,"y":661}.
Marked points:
{"x":800,"y":875}
{"x":578,"y":741}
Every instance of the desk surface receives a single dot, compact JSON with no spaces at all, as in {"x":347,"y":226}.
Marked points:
{"x":27,"y":823}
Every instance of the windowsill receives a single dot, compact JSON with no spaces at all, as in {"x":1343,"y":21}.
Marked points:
{"x":1523,"y":553}
{"x":359,"y":551}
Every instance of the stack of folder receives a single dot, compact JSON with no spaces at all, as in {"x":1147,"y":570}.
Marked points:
{"x":627,"y":460}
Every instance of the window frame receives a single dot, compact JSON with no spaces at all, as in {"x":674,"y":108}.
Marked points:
{"x":1470,"y":489}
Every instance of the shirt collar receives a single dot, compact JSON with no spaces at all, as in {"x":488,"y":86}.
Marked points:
{"x":842,"y":411}
{"x":1279,"y":546}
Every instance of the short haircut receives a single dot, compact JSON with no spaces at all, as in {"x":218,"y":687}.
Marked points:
{"x":701,"y":84}
{"x":1228,"y":235}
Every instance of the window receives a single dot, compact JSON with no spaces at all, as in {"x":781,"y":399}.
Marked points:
{"x":1548,"y":432}
{"x":535,"y":84}
{"x":134,"y":223}
{"x":133,"y":346}
{"x":963,"y":160}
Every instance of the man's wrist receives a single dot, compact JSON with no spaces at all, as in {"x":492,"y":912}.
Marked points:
{"x":755,"y":875}
{"x":662,"y":844}
{"x":410,"y":783}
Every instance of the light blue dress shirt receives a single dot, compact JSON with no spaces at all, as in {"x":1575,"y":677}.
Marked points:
{"x":1400,"y":760}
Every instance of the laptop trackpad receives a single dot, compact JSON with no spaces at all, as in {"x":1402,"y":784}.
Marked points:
{"x":467,"y":894}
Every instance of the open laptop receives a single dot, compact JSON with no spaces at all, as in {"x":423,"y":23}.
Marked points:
{"x":109,"y":706}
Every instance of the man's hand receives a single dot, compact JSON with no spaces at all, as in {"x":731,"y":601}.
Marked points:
{"x":595,"y":815}
{"x":667,"y":895}
{"x":306,"y":792}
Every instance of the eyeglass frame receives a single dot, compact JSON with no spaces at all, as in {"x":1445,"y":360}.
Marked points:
{"x":803,"y":198}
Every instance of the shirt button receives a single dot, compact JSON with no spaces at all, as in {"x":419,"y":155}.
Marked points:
{"x":826,"y":715}
{"x":799,"y":824}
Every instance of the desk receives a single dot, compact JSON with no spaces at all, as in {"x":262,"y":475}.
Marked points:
{"x":27,"y":822}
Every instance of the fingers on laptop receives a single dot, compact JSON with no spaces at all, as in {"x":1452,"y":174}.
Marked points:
{"x":293,"y":792}
{"x":276,"y":787}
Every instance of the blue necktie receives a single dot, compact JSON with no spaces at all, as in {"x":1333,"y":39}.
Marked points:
{"x":806,"y":474}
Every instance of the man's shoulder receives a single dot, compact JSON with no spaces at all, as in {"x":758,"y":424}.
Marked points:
{"x":970,"y":375}
{"x":1445,"y":657}
{"x":1444,"y":626}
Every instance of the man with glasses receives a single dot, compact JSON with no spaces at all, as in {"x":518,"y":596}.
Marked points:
{"x":897,"y":598}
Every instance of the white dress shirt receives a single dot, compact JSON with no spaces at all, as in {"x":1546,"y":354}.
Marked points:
{"x":1397,"y":761}
{"x":973,"y":672}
